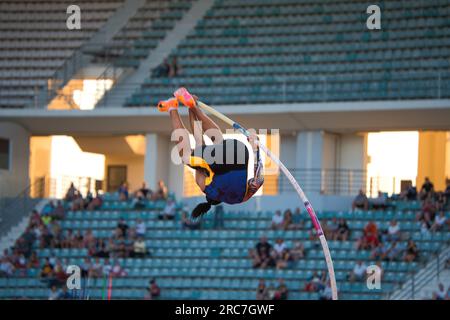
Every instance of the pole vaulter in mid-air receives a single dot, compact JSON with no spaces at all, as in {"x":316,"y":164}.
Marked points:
{"x":221,"y":168}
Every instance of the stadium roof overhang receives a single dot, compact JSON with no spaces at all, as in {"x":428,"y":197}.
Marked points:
{"x":336,"y":117}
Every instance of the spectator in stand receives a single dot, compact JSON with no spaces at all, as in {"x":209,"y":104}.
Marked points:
{"x":144,"y":191}
{"x":379,"y":252}
{"x":54,"y":293}
{"x":411,"y":252}
{"x":326,"y":293}
{"x":369,"y":240}
{"x":424,"y":228}
{"x":47,"y":269}
{"x":333,"y":228}
{"x":117,"y":270}
{"x":58,"y":212}
{"x":393,"y":231}
{"x":64,"y":294}
{"x":77,"y":202}
{"x":71,"y":193}
{"x":447,"y":195}
{"x":123,"y":191}
{"x":6,"y":267}
{"x":358,"y":273}
{"x":60,"y":274}
{"x":392,"y":252}
{"x":428,"y":211}
{"x":96,"y":270}
{"x":187,"y":223}
{"x":316,"y":283}
{"x":297,"y":219}
{"x":161,"y":193}
{"x":33,"y":261}
{"x":262,"y":255}
{"x":140,"y":228}
{"x":343,"y":230}
{"x":175,"y":68}
{"x":277,"y":221}
{"x":287,"y":220}
{"x":410,"y":194}
{"x":96,"y":203}
{"x":298,"y":251}
{"x":262,"y":293}
{"x":169,"y":210}
{"x":379,"y":202}
{"x":123,"y":226}
{"x":162,"y":71}
{"x":282,"y":291}
{"x":279,"y":247}
{"x":427,"y":189}
{"x":439,"y":223}
{"x":139,"y":248}
{"x":360,"y":201}
{"x":153,"y":290}
{"x":441,"y":293}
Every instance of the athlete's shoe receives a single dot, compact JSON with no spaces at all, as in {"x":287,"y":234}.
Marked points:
{"x":166,"y":105}
{"x":185,"y":97}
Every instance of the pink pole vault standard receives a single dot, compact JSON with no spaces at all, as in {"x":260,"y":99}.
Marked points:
{"x":306,"y":203}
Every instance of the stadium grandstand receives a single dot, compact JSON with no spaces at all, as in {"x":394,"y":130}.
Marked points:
{"x":359,"y":116}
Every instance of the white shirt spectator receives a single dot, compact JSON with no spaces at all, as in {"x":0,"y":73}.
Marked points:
{"x":279,"y":247}
{"x":277,"y":219}
{"x":140,"y":228}
{"x":359,"y":269}
{"x":440,"y":220}
{"x":393,"y":229}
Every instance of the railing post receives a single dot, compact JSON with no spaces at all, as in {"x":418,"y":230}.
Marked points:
{"x":413,"y":287}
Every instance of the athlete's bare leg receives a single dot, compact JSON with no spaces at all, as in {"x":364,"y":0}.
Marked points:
{"x":183,"y":145}
{"x":210,"y":128}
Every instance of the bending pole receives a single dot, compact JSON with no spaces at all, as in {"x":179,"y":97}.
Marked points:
{"x":306,"y":203}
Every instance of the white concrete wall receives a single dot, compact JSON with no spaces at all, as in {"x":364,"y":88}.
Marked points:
{"x":16,"y":179}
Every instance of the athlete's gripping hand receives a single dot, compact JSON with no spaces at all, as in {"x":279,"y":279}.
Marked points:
{"x":253,"y":140}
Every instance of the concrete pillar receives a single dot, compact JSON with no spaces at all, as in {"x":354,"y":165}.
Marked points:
{"x":158,"y":164}
{"x":14,"y":178}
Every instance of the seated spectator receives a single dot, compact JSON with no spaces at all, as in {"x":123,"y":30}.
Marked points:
{"x":287,"y":220}
{"x":54,"y":293}
{"x":153,"y":290}
{"x":333,"y":228}
{"x":262,"y":293}
{"x":428,"y":211}
{"x":144,"y":191}
{"x":369,"y":240}
{"x":297,"y":219}
{"x":427,"y":189}
{"x":33,"y":261}
{"x":447,"y":195}
{"x":123,"y":191}
{"x":358,"y":273}
{"x":439,"y":222}
{"x":140,"y":228}
{"x":379,"y":253}
{"x":411,"y":252}
{"x":71,"y":192}
{"x":187,"y":223}
{"x":58,"y":212}
{"x":410,"y":194}
{"x":279,"y":246}
{"x":77,"y":202}
{"x":95,"y":204}
{"x":96,"y":270}
{"x":117,"y":270}
{"x":169,"y":211}
{"x":64,"y":294}
{"x":139,"y":248}
{"x":47,"y":269}
{"x":360,"y":201}
{"x":60,"y":274}
{"x":297,"y":251}
{"x":174,"y":69}
{"x":123,"y":226}
{"x":277,"y":221}
{"x":326,"y":293}
{"x":283,"y":259}
{"x":393,"y":232}
{"x":262,"y":255}
{"x":441,"y":293}
{"x":6,"y":267}
{"x":282,"y":291}
{"x":424,"y":228}
{"x":161,"y":193}
{"x":379,"y":202}
{"x":162,"y":71}
{"x":392,"y":252}
{"x":316,"y":283}
{"x":343,"y":230}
